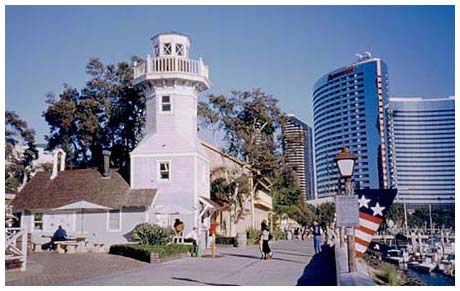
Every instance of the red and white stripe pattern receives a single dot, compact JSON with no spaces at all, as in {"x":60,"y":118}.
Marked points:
{"x":368,"y":226}
{"x":373,"y":205}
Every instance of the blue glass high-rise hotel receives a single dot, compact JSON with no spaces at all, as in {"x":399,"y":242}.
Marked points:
{"x":403,"y":143}
{"x":349,"y":110}
{"x":423,"y":149}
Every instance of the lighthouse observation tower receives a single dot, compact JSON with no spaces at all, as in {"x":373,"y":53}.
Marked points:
{"x":170,"y":156}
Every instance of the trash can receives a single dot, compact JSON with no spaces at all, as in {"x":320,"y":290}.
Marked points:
{"x":241,"y":240}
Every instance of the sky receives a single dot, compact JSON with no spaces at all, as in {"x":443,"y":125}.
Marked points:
{"x":282,"y":49}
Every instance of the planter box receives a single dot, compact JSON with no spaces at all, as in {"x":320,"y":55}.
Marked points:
{"x":155,"y":259}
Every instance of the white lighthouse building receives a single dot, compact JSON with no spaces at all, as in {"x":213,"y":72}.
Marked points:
{"x":170,"y":157}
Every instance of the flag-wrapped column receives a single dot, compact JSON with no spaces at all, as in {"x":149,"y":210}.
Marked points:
{"x":373,"y":206}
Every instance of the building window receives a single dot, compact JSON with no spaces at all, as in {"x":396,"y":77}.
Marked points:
{"x":38,"y":221}
{"x":164,"y":171}
{"x":166,"y":105}
{"x":179,"y":49}
{"x":167,"y":49}
{"x":114,"y":220}
{"x":157,"y":51}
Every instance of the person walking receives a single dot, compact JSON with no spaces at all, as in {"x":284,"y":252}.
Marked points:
{"x":212,"y":234}
{"x":192,"y":237}
{"x":317,"y":237}
{"x":260,"y":238}
{"x":266,"y":236}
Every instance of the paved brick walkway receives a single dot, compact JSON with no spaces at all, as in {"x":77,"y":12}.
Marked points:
{"x":293,"y":263}
{"x":56,"y":269}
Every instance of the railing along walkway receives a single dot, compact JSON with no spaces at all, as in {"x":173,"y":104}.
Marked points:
{"x":12,"y":250}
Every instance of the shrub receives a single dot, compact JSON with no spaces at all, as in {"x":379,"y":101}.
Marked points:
{"x":222,"y":240}
{"x":132,"y":251}
{"x":278,"y":234}
{"x":142,"y":252}
{"x":252,"y":235}
{"x":389,"y":275}
{"x":147,"y":234}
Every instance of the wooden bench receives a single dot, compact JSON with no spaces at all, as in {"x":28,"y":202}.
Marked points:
{"x":178,"y":239}
{"x":68,"y":247}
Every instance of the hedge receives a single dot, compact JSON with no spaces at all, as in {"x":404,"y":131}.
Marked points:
{"x":143,"y":252}
{"x":222,"y":240}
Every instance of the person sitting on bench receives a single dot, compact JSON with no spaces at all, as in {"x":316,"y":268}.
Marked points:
{"x":178,"y":227}
{"x":59,"y":235}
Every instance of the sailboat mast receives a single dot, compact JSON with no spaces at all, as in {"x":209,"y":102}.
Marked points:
{"x":431,"y":226}
{"x":405,"y":217}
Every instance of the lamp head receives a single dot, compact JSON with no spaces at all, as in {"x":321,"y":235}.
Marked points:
{"x":346,"y":162}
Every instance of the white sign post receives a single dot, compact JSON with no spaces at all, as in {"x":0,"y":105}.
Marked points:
{"x":347,"y":210}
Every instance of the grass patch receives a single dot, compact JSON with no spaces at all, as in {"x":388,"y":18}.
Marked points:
{"x":389,"y":275}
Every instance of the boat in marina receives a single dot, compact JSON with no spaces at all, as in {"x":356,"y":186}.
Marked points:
{"x":396,"y":256}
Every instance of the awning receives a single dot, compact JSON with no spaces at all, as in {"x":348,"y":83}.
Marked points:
{"x":82,"y":205}
{"x":172,"y":209}
{"x":208,"y":202}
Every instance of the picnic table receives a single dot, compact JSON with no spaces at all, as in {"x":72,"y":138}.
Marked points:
{"x":71,"y":244}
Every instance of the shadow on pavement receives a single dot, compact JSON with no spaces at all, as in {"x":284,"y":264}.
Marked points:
{"x":258,"y":258}
{"x":201,"y":282}
{"x":289,"y":253}
{"x":320,"y":271}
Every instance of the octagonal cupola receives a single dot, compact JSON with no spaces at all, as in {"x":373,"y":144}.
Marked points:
{"x":171,"y":44}
{"x":171,"y":63}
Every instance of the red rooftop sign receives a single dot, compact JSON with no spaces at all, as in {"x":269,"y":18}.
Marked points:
{"x":341,"y":73}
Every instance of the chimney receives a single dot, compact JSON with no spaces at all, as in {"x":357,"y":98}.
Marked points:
{"x":106,"y":169}
{"x":56,"y":154}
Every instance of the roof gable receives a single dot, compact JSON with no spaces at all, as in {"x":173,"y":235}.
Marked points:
{"x":75,"y":185}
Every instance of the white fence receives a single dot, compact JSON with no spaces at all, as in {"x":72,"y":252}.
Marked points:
{"x":13,"y":250}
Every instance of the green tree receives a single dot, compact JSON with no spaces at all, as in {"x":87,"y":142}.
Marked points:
{"x":325,"y":212}
{"x":107,"y":113}
{"x":396,"y":213}
{"x":250,"y":122}
{"x":62,"y":120}
{"x":231,"y":188}
{"x":127,"y":109}
{"x":19,"y":165}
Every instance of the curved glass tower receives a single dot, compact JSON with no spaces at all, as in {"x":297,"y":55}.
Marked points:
{"x":423,"y":149}
{"x":349,"y":110}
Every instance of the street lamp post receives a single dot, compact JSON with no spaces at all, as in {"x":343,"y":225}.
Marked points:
{"x":346,"y":163}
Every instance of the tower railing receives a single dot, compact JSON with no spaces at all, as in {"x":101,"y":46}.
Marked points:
{"x":171,"y":64}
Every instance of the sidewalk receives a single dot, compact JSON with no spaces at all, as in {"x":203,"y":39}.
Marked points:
{"x":292,"y":264}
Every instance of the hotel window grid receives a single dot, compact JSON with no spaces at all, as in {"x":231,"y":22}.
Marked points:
{"x":342,"y":109}
{"x":422,"y":150}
